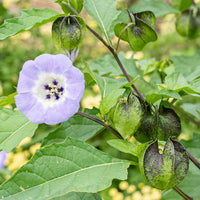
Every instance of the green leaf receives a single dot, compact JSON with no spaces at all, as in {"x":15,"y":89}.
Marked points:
{"x":110,"y":100}
{"x":140,"y":34}
{"x":77,"y":127}
{"x":108,"y":66}
{"x":14,"y":127}
{"x":88,"y":74}
{"x":104,"y":13}
{"x":152,"y":98}
{"x":79,"y":196}
{"x":181,"y":4}
{"x":124,"y":146}
{"x":30,"y":18}
{"x":59,"y":169}
{"x":193,"y":188}
{"x":177,"y":83}
{"x":189,"y":66}
{"x":191,"y":108}
{"x":7,"y":100}
{"x":129,"y":84}
{"x":76,"y":4}
{"x":159,"y":8}
{"x":107,"y":85}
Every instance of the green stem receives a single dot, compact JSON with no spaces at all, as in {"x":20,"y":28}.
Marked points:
{"x":100,"y":122}
{"x":124,"y":29}
{"x":193,"y":2}
{"x":186,"y":115}
{"x":195,"y":122}
{"x":193,"y":159}
{"x":181,"y":193}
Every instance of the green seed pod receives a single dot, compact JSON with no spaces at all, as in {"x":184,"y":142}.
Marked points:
{"x":127,"y":115}
{"x":68,"y":32}
{"x":166,"y":170}
{"x":169,"y":124}
{"x":147,"y":128}
{"x":188,"y":24}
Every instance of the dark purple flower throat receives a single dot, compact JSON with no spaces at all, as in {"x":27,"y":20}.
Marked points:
{"x":53,"y":91}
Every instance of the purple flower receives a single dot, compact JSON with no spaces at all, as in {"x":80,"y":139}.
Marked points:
{"x":2,"y":159}
{"x":49,"y":89}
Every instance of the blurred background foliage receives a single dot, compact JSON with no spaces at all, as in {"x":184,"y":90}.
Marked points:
{"x":29,"y":44}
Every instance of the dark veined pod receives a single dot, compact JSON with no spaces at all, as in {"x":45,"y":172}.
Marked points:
{"x":126,"y":116}
{"x":169,"y":124}
{"x":147,"y":129}
{"x":68,"y":33}
{"x":166,"y":170}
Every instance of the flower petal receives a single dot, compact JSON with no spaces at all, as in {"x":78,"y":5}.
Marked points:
{"x":62,"y":62}
{"x":74,"y":75}
{"x":30,"y":70}
{"x":61,"y":112}
{"x":24,"y":102}
{"x":36,"y":113}
{"x":75,"y":91}
{"x":2,"y":159}
{"x":45,"y":62}
{"x":53,"y":63}
{"x":25,"y":84}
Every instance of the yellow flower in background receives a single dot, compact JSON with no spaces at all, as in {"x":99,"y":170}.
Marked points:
{"x":113,"y":192}
{"x":8,"y":3}
{"x":131,"y":189}
{"x":46,"y":29}
{"x":133,"y":192}
{"x":16,"y":160}
{"x":34,"y":148}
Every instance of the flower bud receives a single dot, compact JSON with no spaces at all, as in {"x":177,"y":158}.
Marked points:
{"x":127,"y":115}
{"x":169,"y":124}
{"x":68,"y":33}
{"x":166,"y":170}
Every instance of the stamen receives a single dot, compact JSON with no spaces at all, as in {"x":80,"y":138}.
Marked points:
{"x":46,"y":87}
{"x":55,"y":82}
{"x":57,"y":97}
{"x":48,"y":96}
{"x":61,"y":89}
{"x":53,"y":91}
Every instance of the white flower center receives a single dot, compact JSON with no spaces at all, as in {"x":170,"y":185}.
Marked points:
{"x":50,"y":88}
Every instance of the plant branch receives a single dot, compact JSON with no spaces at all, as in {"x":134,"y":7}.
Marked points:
{"x":195,"y":122}
{"x":186,"y":115}
{"x":193,"y":2}
{"x":112,"y":51}
{"x":100,"y":122}
{"x":181,"y":193}
{"x":193,"y":159}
